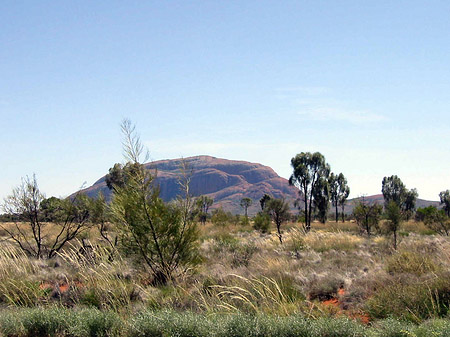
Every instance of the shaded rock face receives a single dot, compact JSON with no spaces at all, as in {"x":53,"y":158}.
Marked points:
{"x":226,"y":181}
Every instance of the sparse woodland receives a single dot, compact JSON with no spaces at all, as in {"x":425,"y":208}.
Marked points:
{"x":141,"y":267}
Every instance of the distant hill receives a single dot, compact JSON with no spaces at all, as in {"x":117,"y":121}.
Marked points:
{"x":379,"y":199}
{"x":226,"y":181}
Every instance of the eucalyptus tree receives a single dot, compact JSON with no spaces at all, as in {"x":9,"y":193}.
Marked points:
{"x":394,"y":219}
{"x":245,"y":204}
{"x":394,"y":190}
{"x":202,"y":205}
{"x":321,"y":196}
{"x":308,"y":170}
{"x":339,"y":192}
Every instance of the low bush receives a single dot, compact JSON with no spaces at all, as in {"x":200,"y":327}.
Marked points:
{"x":410,"y":262}
{"x":261,"y":222}
{"x":414,"y":299}
{"x":58,"y":321}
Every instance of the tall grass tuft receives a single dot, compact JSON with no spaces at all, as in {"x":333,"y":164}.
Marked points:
{"x":17,"y":286}
{"x":251,"y":295}
{"x":102,"y":283}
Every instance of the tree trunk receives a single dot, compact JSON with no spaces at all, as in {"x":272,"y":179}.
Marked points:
{"x":279,"y":233}
{"x":395,"y":240}
{"x":307,"y":222}
{"x":337,"y":213}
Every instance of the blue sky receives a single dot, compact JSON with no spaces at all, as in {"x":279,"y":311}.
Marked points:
{"x":367,"y":83}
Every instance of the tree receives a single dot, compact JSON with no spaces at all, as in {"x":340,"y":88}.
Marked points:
{"x":339,"y":192}
{"x":118,"y":174}
{"x":265,"y":198}
{"x":424,"y":212}
{"x":30,"y":212}
{"x":409,"y":203}
{"x":202,"y":204}
{"x":394,"y":219}
{"x":322,"y":199}
{"x":367,"y":215}
{"x":444,"y":197}
{"x":437,"y":220}
{"x":278,"y":209}
{"x":159,"y":234}
{"x":245,"y":204}
{"x":394,"y":190}
{"x":308,"y":170}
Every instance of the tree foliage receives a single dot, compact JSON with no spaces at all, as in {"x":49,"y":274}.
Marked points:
{"x":261,"y":222}
{"x":394,"y":190}
{"x":119,"y":174}
{"x":321,"y":199}
{"x":437,"y":220}
{"x":263,"y":201}
{"x":309,"y":170}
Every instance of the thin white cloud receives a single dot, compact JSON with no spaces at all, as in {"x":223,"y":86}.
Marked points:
{"x":337,"y":114}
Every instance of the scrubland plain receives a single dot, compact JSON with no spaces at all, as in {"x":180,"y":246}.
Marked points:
{"x":331,"y":281}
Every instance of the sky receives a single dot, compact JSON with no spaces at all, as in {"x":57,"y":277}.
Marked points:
{"x":366,"y":83}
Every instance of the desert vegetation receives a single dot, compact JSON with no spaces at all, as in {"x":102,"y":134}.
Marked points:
{"x":139,"y":266}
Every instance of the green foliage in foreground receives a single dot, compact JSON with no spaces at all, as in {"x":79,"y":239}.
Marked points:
{"x":91,"y":322}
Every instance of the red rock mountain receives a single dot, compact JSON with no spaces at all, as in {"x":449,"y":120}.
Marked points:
{"x":226,"y":181}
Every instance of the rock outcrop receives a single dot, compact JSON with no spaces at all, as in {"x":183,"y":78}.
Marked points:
{"x":226,"y":181}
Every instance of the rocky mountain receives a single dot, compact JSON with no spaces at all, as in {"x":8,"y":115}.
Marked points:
{"x":226,"y":181}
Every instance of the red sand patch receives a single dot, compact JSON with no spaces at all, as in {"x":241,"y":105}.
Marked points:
{"x":63,"y":287}
{"x":334,"y":302}
{"x":45,"y":286}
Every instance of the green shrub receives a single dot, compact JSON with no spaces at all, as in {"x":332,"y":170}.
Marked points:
{"x":94,"y":323}
{"x":394,"y":328}
{"x":56,"y":321}
{"x":40,"y":322}
{"x":169,"y":323}
{"x":261,"y":222}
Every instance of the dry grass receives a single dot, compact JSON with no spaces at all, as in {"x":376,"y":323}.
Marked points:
{"x":243,"y":270}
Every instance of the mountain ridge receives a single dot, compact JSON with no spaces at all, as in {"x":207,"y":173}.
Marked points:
{"x":227,"y":182}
